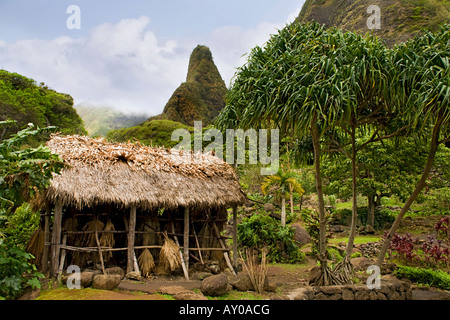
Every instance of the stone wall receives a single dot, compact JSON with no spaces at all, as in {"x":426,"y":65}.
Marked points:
{"x":389,"y":290}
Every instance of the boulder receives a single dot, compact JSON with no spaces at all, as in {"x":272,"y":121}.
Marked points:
{"x":201,"y":275}
{"x":241,"y":282}
{"x":115,"y":270}
{"x":269,"y":285}
{"x":300,"y":234}
{"x":268,"y":207}
{"x":173,"y":290}
{"x":181,"y":293}
{"x":133,"y":276}
{"x":361,"y":263}
{"x":191,"y":295}
{"x":106,"y":281}
{"x":86,"y":278}
{"x":314,"y":274}
{"x":216,"y":285}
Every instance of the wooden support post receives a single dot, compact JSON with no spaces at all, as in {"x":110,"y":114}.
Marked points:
{"x":63,"y":258}
{"x":186,"y":238}
{"x":183,"y":265}
{"x":198,"y":245}
{"x":225,"y":253}
{"x":235,"y":238}
{"x":44,"y":261}
{"x":131,"y":229}
{"x":56,"y":237}
{"x":99,"y":250}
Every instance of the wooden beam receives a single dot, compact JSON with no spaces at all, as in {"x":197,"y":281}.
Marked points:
{"x":183,"y":265}
{"x":131,"y":235}
{"x":198,"y":245}
{"x":186,"y":238}
{"x":44,"y":261}
{"x":63,"y":257}
{"x":56,"y":237}
{"x":225,"y":253}
{"x":235,"y":238}
{"x":99,"y":250}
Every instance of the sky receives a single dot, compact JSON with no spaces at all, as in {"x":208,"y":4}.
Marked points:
{"x":131,"y":54}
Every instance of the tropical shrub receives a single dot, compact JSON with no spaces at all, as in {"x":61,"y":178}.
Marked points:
{"x":261,"y":230}
{"x":434,"y":278}
{"x":16,"y":271}
{"x":24,"y":171}
{"x":382,"y":217}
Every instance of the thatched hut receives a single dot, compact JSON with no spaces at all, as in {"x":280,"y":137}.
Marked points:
{"x":133,"y":193}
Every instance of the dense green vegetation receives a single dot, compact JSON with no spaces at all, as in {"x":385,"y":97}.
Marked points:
{"x":435,"y":278}
{"x":347,"y":92}
{"x":154,"y":132}
{"x":264,"y":232}
{"x":400,"y":19}
{"x":25,"y":101}
{"x":98,"y":121}
{"x":24,"y":171}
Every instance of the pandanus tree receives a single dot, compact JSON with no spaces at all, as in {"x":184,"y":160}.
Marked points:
{"x":424,"y":68}
{"x":311,"y":80}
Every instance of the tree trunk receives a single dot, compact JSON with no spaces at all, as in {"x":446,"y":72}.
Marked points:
{"x":131,"y":239}
{"x":322,"y":221}
{"x":371,"y":211}
{"x":291,"y":199}
{"x":420,"y":185}
{"x":351,"y":237}
{"x":283,"y":211}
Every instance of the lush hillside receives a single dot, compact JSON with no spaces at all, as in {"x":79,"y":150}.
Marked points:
{"x":99,"y":120}
{"x":400,"y":19}
{"x":202,"y":96}
{"x":25,"y":101}
{"x":155,"y":133}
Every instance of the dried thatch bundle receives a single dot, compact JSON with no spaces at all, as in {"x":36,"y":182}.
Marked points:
{"x":36,"y":245}
{"x":71,"y":224}
{"x":146,"y":263}
{"x":169,"y":256}
{"x":256,"y":270}
{"x":88,"y":240}
{"x":107,"y":240}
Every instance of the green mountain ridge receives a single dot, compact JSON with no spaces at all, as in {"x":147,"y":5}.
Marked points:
{"x":202,"y":96}
{"x":400,"y":19}
{"x":151,"y":133}
{"x":25,"y":101}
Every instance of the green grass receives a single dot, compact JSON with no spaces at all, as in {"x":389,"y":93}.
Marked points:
{"x":291,"y":267}
{"x":358,"y":239}
{"x":239,"y":295}
{"x":64,"y":293}
{"x":344,"y":205}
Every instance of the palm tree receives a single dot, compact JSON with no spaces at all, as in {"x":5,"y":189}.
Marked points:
{"x":278,"y":185}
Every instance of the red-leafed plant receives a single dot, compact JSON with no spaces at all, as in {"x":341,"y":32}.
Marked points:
{"x":402,"y":246}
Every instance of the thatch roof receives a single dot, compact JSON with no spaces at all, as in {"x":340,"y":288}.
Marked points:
{"x":100,"y":172}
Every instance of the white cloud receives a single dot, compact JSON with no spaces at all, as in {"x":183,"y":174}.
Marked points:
{"x":126,"y":65}
{"x":122,"y":65}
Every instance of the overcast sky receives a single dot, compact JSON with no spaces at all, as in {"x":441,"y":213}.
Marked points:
{"x":131,"y":54}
